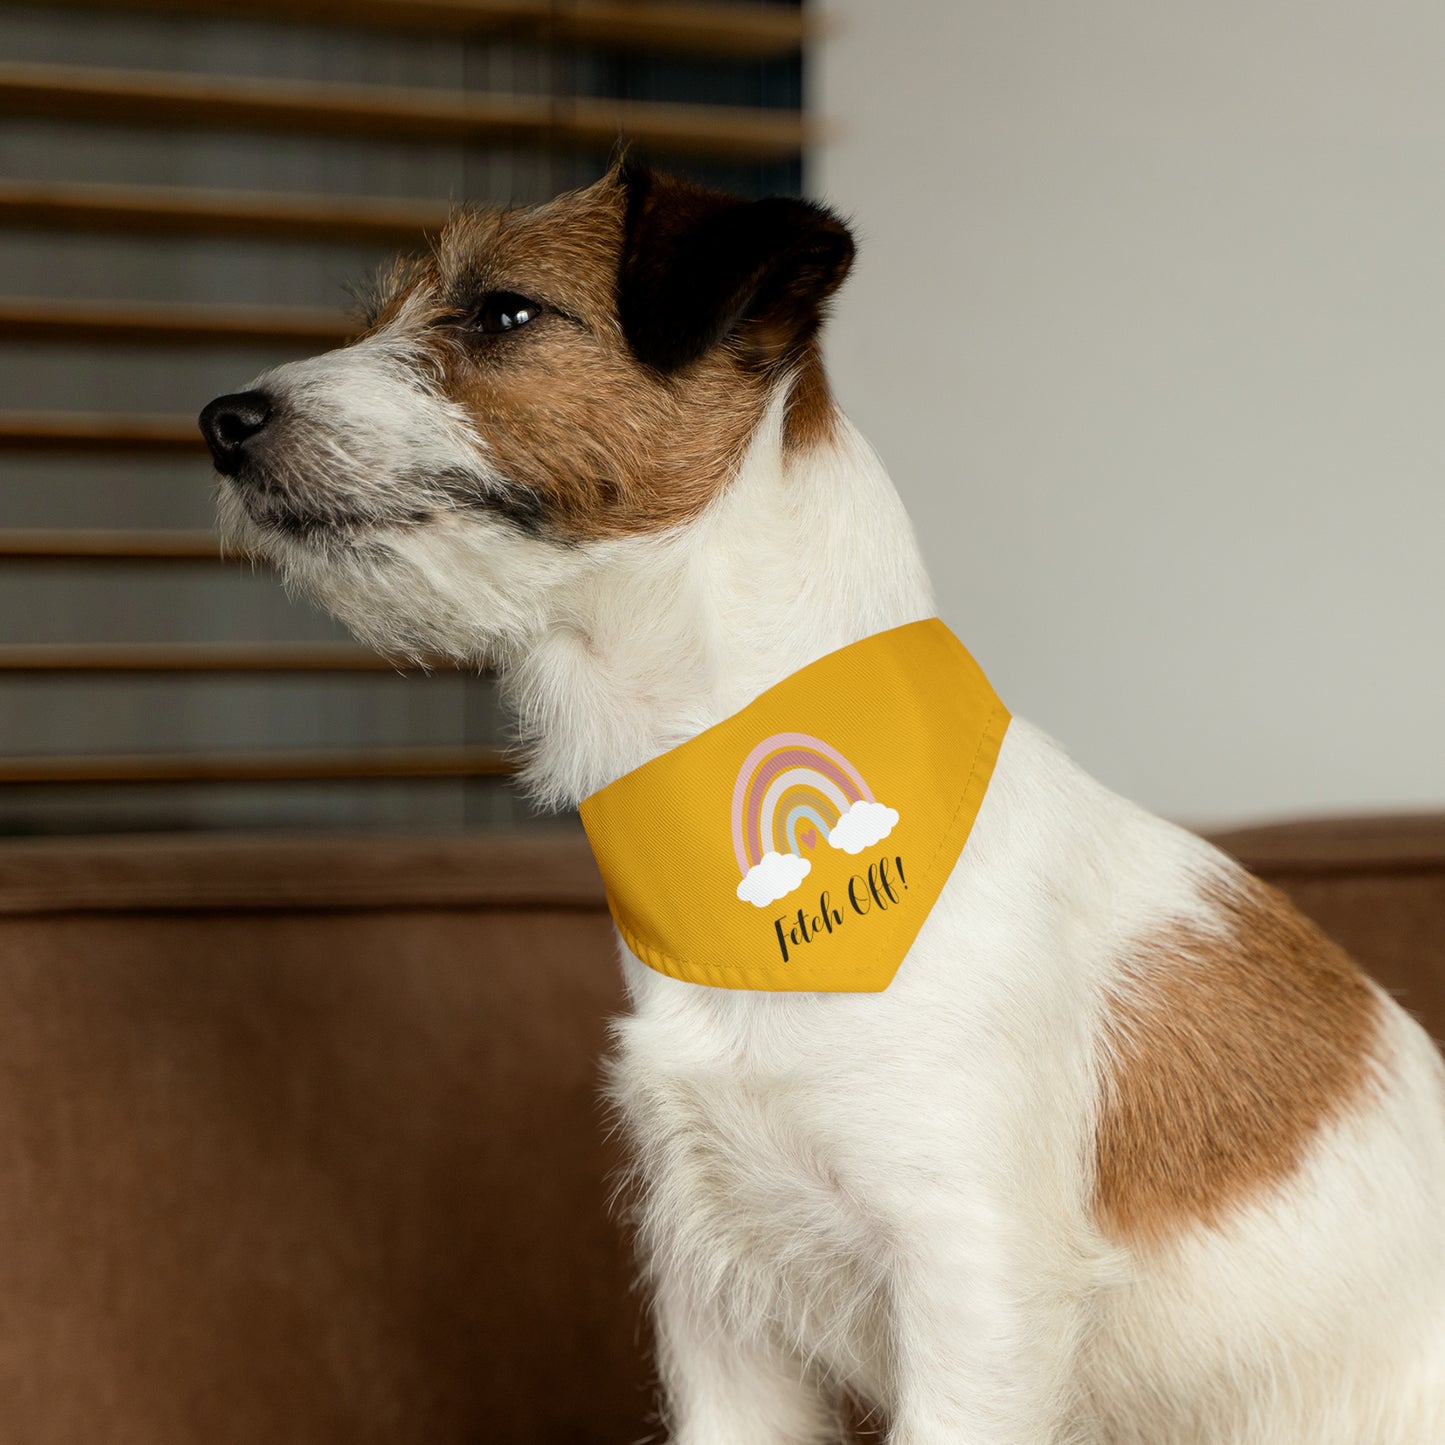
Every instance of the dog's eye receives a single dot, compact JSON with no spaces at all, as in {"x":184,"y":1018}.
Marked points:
{"x":504,"y":311}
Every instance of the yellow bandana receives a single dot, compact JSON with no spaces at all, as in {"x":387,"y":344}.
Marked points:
{"x":799,"y":844}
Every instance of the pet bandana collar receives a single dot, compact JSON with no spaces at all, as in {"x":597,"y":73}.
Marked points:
{"x":799,"y":844}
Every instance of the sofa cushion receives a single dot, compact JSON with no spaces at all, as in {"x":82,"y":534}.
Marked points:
{"x":303,"y":1143}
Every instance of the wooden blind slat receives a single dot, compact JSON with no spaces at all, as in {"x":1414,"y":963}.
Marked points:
{"x":175,"y":210}
{"x":170,"y":323}
{"x":76,"y":544}
{"x":258,"y":767}
{"x":709,"y":29}
{"x":756,"y":32}
{"x":202,"y":657}
{"x":78,"y":431}
{"x":113,"y":97}
{"x":216,"y":102}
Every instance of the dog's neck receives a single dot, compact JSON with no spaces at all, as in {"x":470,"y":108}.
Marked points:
{"x":803,"y":554}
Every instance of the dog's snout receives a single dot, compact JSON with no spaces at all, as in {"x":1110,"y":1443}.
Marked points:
{"x":229,"y":422}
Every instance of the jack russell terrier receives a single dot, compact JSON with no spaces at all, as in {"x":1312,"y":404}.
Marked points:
{"x":957,"y":1086}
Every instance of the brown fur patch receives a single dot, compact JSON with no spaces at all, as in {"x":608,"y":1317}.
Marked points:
{"x":812,"y":413}
{"x":601,"y":444}
{"x":607,"y":445}
{"x":1226,"y":1054}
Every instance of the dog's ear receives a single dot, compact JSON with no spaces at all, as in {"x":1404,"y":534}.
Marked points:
{"x":699,"y":266}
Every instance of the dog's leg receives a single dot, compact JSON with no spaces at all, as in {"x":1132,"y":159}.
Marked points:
{"x":983,"y":1351}
{"x":721,"y":1388}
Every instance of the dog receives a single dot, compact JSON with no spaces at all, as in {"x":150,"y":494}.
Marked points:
{"x":1127,"y":1153}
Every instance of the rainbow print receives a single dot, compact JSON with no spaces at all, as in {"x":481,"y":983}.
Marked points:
{"x":792,"y":792}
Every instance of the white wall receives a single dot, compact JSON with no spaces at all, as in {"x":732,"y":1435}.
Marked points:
{"x":1149,"y":323}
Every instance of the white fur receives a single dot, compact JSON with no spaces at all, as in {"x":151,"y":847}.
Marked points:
{"x":890,"y":1193}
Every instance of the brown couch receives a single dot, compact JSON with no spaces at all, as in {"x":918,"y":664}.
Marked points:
{"x":300,"y":1139}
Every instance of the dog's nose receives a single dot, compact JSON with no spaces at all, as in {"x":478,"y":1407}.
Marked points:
{"x":229,"y":422}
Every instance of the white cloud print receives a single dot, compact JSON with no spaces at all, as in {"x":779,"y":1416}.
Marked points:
{"x":863,"y":825}
{"x":773,"y":878}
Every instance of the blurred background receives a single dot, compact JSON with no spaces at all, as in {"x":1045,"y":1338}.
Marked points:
{"x":1149,"y":324}
{"x":1146,"y":323}
{"x":187,"y":191}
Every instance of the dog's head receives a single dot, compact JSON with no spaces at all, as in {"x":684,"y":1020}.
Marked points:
{"x":547,"y":383}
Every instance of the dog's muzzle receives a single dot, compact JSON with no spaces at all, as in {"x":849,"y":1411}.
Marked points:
{"x":230,"y":422}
